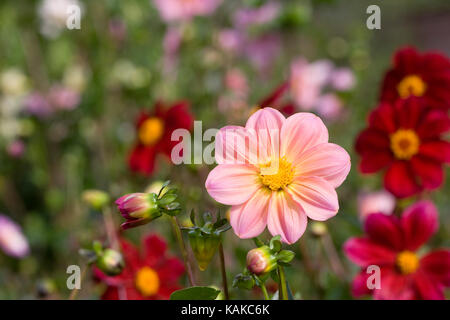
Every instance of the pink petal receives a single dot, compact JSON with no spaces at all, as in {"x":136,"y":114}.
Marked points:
{"x":235,"y":145}
{"x":286,"y":218}
{"x":384,"y":230}
{"x":419,"y":222}
{"x":437,"y":266}
{"x":327,"y":160}
{"x":250,"y":218}
{"x":266,"y":124}
{"x":394,"y":286}
{"x":301,"y":132}
{"x":316,"y":196}
{"x":359,"y":284}
{"x":232,"y":184}
{"x":428,"y":289}
{"x":365,"y":252}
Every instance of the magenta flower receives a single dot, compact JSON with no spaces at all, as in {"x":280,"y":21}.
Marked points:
{"x":179,"y":10}
{"x":392,"y":243}
{"x":276,"y":172}
{"x":12,"y":240}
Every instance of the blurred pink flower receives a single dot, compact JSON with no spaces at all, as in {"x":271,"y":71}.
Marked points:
{"x":230,"y":40}
{"x":246,"y":17}
{"x":176,"y":10}
{"x":375,"y":202}
{"x":262,"y":51}
{"x":171,"y":44}
{"x":16,"y":148}
{"x":117,"y":29}
{"x":342,"y":79}
{"x":307,"y":81}
{"x":63,"y":98}
{"x":38,"y":105}
{"x":286,"y":173}
{"x":12,"y":240}
{"x":329,"y":106}
{"x":236,"y":81}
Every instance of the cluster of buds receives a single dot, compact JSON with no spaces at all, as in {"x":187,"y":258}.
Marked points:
{"x":205,"y":237}
{"x":108,"y":260}
{"x":142,"y":208}
{"x":262,"y":262}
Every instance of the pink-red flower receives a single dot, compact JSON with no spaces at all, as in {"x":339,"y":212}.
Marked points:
{"x":12,"y":240}
{"x":426,"y":76}
{"x":182,"y":10}
{"x":276,"y":172}
{"x":406,"y":139}
{"x":154,"y":130}
{"x":392,"y":244}
{"x":148,"y":275}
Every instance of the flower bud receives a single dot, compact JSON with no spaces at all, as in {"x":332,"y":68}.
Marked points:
{"x":204,"y":247}
{"x":138,"y":209}
{"x":261,"y":260}
{"x":318,"y":228}
{"x":110,"y":262}
{"x":97,"y":199}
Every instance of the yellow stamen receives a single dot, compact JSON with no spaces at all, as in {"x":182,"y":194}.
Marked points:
{"x":407,"y":262}
{"x":151,"y":130}
{"x":147,"y":281}
{"x":404,"y":144}
{"x":411,"y":85}
{"x":281,"y":176}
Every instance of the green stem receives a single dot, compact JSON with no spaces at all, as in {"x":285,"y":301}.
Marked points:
{"x":179,"y":236}
{"x":283,"y":289}
{"x":224,"y":272}
{"x":264,"y":291}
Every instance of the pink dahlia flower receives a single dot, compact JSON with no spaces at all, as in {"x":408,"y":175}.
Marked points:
{"x":177,"y":10}
{"x":392,"y":244}
{"x":12,"y":240}
{"x":276,"y":172}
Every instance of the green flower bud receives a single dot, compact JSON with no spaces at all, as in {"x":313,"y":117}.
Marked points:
{"x":204,"y":247}
{"x":244,"y":281}
{"x":110,"y":262}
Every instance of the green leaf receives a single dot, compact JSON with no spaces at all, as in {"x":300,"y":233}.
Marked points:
{"x":275,"y":243}
{"x":195,"y":293}
{"x":285,"y":256}
{"x":258,"y":242}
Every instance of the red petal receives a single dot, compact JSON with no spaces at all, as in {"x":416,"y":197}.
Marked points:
{"x":365,"y":252}
{"x":433,"y":125}
{"x":419,"y":222}
{"x":274,"y":97}
{"x":395,"y":286}
{"x":430,"y":172}
{"x":154,"y":249}
{"x":373,"y":162}
{"x":406,"y":60}
{"x":437,"y":150}
{"x":410,"y":112}
{"x":427,"y":288}
{"x":383,"y":118}
{"x":371,"y":141}
{"x":436,"y":265}
{"x":400,"y":181}
{"x":384,"y":230}
{"x":130,"y":254}
{"x":359,"y":284}
{"x":142,"y":159}
{"x":179,"y":117}
{"x":171,"y":270}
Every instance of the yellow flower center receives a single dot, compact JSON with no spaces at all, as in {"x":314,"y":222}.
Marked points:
{"x":411,"y":85}
{"x":276,"y":175}
{"x":147,"y":281}
{"x":407,"y":262}
{"x":151,"y":130}
{"x":404,"y":144}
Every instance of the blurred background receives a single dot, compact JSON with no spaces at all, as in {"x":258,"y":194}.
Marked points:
{"x":69,"y":100}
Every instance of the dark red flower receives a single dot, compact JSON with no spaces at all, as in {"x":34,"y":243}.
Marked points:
{"x":405,"y":138}
{"x":422,"y":75}
{"x":154,"y":131}
{"x":150,"y":275}
{"x":391,"y":244}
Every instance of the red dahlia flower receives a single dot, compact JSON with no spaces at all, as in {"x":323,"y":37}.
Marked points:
{"x":154,"y":131}
{"x":391,"y":243}
{"x":422,"y":75}
{"x":406,"y":139}
{"x":148,"y":276}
